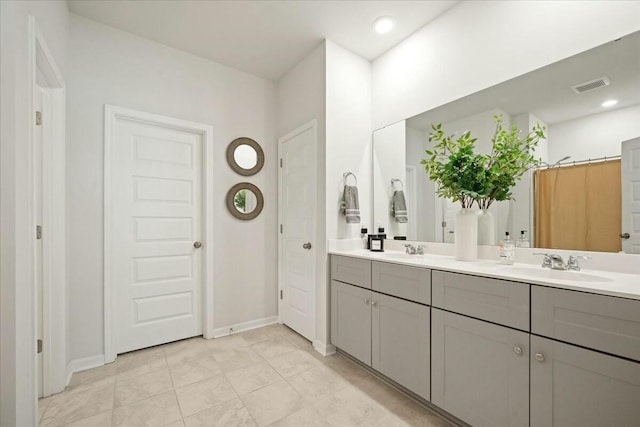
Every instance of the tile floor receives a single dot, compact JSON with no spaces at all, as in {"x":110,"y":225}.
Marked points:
{"x":265,"y":377}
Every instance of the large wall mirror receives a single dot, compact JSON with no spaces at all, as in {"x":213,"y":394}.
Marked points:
{"x":582,"y":197}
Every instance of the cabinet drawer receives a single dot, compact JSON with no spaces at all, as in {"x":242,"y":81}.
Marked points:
{"x":412,"y":283}
{"x":600,"y":322}
{"x":355,"y":271}
{"x":498,"y":301}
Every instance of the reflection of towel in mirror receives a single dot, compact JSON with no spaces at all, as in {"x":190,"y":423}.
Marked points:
{"x":350,"y":207}
{"x":399,"y":206}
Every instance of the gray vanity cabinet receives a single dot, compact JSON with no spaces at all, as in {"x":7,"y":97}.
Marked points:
{"x":400,"y":342}
{"x":388,"y":330}
{"x":480,"y":371}
{"x":573,"y":386}
{"x":351,"y":320}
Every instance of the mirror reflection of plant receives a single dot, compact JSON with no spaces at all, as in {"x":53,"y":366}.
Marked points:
{"x":511,"y":157}
{"x":240,"y":200}
{"x":467,"y":177}
{"x":454,"y":167}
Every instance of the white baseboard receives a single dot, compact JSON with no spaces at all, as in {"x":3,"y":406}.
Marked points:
{"x":78,"y":365}
{"x":324,"y":348}
{"x":239,"y":327}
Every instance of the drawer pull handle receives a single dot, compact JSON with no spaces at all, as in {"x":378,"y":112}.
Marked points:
{"x":517,"y":350}
{"x":366,"y":300}
{"x":539,"y":357}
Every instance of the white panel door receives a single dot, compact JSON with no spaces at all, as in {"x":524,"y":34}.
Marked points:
{"x":156,"y":175}
{"x":631,"y":196}
{"x":298,"y":230}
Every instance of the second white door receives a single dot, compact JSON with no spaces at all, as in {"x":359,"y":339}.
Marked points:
{"x":156,"y":181}
{"x":298,"y":230}
{"x":631,"y":196}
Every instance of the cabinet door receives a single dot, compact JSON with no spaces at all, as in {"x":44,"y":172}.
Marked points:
{"x":351,"y":320}
{"x":572,"y":386}
{"x":400,"y":342}
{"x":480,"y":371}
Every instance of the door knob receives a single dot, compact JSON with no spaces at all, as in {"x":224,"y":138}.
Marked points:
{"x":197,"y":245}
{"x":625,"y":235}
{"x":307,"y":246}
{"x":539,"y":357}
{"x":517,"y":350}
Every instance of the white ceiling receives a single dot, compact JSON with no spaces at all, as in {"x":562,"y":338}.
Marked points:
{"x":264,"y":38}
{"x":547,"y":92}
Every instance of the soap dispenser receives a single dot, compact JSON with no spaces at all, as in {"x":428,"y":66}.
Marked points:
{"x":523,"y":241}
{"x":507,"y":250}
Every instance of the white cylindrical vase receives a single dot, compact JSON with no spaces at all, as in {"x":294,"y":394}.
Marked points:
{"x":466,"y":235}
{"x":486,"y":228}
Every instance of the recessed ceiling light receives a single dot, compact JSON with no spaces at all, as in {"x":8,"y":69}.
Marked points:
{"x":383,"y":24}
{"x":609,"y":103}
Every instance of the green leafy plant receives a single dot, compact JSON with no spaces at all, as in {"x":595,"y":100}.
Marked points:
{"x":462,"y":175}
{"x":240,"y":200}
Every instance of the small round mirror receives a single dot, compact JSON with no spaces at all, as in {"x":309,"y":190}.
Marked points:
{"x":245,"y":156}
{"x":245,"y":201}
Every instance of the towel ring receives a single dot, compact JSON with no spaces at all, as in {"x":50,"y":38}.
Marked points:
{"x":346,"y":175}
{"x":396,"y":180}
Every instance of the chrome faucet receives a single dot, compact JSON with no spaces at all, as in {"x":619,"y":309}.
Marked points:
{"x":555,"y":262}
{"x":552,"y":261}
{"x":414,"y":250}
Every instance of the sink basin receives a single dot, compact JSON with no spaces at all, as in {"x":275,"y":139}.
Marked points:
{"x":571,"y":276}
{"x":400,"y":255}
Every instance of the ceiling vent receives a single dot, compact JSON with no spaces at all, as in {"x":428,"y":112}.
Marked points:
{"x":591,"y":85}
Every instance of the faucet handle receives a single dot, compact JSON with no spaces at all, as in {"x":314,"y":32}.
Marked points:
{"x":420,"y":250}
{"x":546,"y":262}
{"x":572,"y":263}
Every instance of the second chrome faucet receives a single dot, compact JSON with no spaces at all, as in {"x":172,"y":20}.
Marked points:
{"x":414,"y":250}
{"x":555,"y":262}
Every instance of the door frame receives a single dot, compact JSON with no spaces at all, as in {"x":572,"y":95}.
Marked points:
{"x":54,"y":338}
{"x":111,"y":114}
{"x":313,"y":126}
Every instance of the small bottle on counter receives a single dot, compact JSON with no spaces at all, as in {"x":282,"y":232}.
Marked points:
{"x":376,"y":244}
{"x":507,"y":250}
{"x":523,"y":241}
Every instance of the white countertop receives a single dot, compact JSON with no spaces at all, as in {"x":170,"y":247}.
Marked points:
{"x":597,"y":282}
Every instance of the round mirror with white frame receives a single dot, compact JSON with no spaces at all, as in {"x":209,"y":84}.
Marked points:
{"x":245,"y":156}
